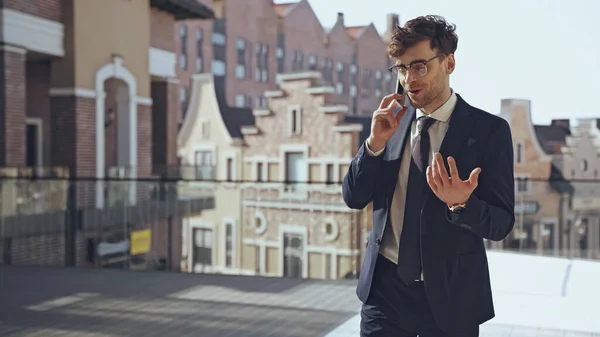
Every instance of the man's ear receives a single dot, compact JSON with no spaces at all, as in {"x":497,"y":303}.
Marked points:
{"x":450,"y":64}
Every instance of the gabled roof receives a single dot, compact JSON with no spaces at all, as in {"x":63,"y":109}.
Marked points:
{"x":551,"y":137}
{"x":356,"y":31}
{"x":284,"y":9}
{"x":183,"y":9}
{"x":233,"y":117}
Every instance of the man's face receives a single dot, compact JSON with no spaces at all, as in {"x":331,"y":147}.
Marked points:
{"x":426,"y":92}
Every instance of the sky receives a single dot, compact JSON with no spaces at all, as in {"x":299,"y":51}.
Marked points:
{"x":546,"y":51}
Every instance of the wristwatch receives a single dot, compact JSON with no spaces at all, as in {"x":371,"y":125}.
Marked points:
{"x":457,"y":208}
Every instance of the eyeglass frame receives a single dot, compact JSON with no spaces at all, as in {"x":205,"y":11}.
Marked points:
{"x":410,"y":65}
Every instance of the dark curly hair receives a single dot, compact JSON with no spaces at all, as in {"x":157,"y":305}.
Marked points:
{"x":434,"y":28}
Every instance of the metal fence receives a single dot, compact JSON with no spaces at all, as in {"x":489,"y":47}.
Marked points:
{"x":246,"y":227}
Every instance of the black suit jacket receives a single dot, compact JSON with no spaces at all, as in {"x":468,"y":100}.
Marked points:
{"x":455,"y":266}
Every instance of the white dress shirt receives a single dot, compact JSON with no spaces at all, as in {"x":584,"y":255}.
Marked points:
{"x":391,"y":238}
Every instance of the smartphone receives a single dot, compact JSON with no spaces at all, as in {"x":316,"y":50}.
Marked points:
{"x":400,"y":90}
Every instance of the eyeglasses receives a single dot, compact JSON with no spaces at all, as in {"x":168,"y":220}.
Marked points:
{"x":417,"y":67}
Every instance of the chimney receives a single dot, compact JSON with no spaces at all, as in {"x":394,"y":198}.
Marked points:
{"x":393,"y":20}
{"x":340,"y":18}
{"x":564,"y":123}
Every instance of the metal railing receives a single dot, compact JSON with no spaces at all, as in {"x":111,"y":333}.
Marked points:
{"x":244,"y":227}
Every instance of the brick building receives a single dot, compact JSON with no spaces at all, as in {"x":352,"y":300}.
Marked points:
{"x":281,"y":181}
{"x":542,"y":207}
{"x":243,"y":46}
{"x":89,"y":98}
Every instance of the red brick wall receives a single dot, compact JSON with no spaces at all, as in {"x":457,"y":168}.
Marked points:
{"x":144,"y":138}
{"x":73,"y":139}
{"x":161,"y":30}
{"x":12,"y":108}
{"x":47,"y":9}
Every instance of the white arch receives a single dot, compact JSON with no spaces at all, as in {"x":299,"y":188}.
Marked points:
{"x":117,"y":70}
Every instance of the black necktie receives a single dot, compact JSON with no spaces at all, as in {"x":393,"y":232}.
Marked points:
{"x":409,"y":253}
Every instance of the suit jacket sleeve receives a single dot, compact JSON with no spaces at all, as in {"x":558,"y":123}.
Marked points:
{"x":359,"y":182}
{"x":490,"y":209}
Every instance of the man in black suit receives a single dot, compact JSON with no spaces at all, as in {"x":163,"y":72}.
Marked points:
{"x":439,"y":173}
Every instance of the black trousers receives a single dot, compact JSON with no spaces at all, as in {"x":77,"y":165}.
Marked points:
{"x":394,"y":309}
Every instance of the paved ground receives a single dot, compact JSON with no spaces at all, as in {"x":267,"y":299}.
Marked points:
{"x":78,"y":302}
{"x":64,"y":302}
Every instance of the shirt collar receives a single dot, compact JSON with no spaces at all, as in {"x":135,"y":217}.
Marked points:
{"x":443,"y":113}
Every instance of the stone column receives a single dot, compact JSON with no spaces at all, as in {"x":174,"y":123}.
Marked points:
{"x":12,"y":105}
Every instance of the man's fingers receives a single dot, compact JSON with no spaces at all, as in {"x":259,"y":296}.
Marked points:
{"x":385,"y":102}
{"x":474,"y":177}
{"x":430,"y":180}
{"x":441,"y":169}
{"x":453,"y":169}
{"x":401,"y":114}
{"x":381,"y":115}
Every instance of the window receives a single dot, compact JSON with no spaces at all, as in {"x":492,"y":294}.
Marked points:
{"x":204,"y":165}
{"x":280,"y":53}
{"x":262,"y":62}
{"x":240,"y":67}
{"x":295,"y":121}
{"x":259,"y":172}
{"x":341,"y":78}
{"x":199,"y":53}
{"x":230,"y":168}
{"x":330,"y":174}
{"x":522,"y":184}
{"x":240,"y":100}
{"x":366,"y":84}
{"x":183,"y":100}
{"x":202,"y":247}
{"x":297,"y":61}
{"x":312,"y":62}
{"x":218,"y":67}
{"x":183,"y":43}
{"x":228,"y":245}
{"x":295,"y":170}
{"x":219,"y":41}
{"x":33,"y":142}
{"x":327,"y":70}
{"x":519,"y":153}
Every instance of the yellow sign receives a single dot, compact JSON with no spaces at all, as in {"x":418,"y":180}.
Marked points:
{"x":140,"y":242}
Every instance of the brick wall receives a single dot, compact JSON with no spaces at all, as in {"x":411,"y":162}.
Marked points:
{"x":73,"y":139}
{"x":161,"y":30}
{"x":144,"y":138}
{"x":12,"y":107}
{"x":47,"y":9}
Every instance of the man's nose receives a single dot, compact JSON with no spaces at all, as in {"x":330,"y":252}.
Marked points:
{"x":410,"y":77}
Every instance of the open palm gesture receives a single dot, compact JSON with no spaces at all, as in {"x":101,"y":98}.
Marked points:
{"x":449,"y":188}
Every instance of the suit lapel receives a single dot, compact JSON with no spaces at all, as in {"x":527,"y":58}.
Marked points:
{"x":458,"y":130}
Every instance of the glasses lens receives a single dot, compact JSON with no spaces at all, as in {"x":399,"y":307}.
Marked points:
{"x":419,"y":69}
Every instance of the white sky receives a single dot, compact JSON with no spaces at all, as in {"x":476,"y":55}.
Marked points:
{"x":547,"y":51}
